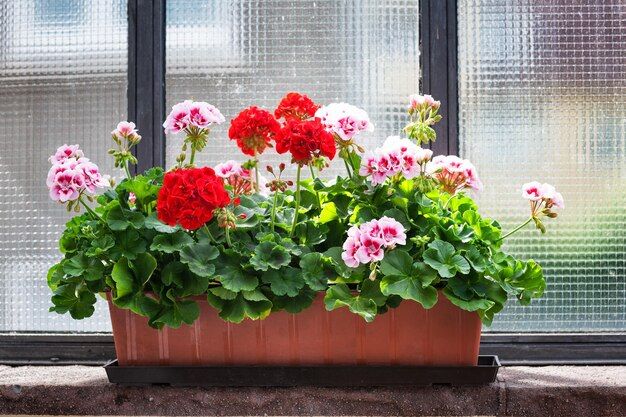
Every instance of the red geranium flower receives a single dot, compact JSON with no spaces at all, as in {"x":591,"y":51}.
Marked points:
{"x":189,"y":196}
{"x":253,"y":129}
{"x":305,"y":139}
{"x":296,"y":106}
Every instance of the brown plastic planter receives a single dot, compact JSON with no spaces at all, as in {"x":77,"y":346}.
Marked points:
{"x":405,"y":336}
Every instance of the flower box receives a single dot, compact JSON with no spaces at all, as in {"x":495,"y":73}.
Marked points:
{"x":391,"y":265}
{"x":408,"y":335}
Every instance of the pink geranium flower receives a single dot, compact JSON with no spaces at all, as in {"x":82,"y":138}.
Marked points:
{"x":343,"y":120}
{"x":533,"y":191}
{"x":396,"y":156}
{"x":72,"y":174}
{"x":189,"y":115}
{"x":124,"y":130}
{"x":367,"y":243}
{"x":65,"y":152}
{"x":454,"y":173}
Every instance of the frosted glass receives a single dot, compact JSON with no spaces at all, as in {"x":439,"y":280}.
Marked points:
{"x":234,"y":53}
{"x":62,"y":80}
{"x":542,"y":95}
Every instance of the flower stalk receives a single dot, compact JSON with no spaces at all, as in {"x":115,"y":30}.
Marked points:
{"x":295,"y":215}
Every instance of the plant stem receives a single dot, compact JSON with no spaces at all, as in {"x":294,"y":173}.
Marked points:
{"x":193,"y":155}
{"x":347,"y":168}
{"x":274,"y":210}
{"x":127,"y":170}
{"x":317,"y":194}
{"x":209,"y":234}
{"x":227,"y":234}
{"x":516,"y":229}
{"x":256,"y":171}
{"x":90,"y":211}
{"x":295,"y":215}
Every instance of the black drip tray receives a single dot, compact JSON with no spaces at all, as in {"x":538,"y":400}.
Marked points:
{"x":322,"y":376}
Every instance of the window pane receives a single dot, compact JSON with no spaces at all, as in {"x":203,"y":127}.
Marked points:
{"x":240,"y":52}
{"x":543,"y":96}
{"x":62,"y":80}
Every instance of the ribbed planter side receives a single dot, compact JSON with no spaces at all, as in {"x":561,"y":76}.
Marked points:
{"x":407,"y":335}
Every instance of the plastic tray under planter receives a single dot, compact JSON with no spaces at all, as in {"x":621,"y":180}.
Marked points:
{"x":289,"y":376}
{"x":406,"y":336}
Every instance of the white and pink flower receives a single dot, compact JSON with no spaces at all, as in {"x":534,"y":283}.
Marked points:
{"x":125,"y":130}
{"x":65,"y":152}
{"x":396,"y":156}
{"x":539,"y":194}
{"x":454,"y":173}
{"x":72,"y":174}
{"x":228,"y":169}
{"x":343,"y":120}
{"x":367,"y":243}
{"x":192,"y":114}
{"x":419,"y":102}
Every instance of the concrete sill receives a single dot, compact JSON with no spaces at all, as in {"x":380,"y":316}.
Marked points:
{"x":520,"y":391}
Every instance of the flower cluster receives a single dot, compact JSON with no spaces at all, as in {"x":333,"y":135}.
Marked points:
{"x":189,"y":196}
{"x":72,"y":174}
{"x":253,"y":129}
{"x":345,"y":121}
{"x":239,"y":178}
{"x":367,"y":242}
{"x":296,"y":106}
{"x":418,"y":102}
{"x":423,"y":112}
{"x":192,"y":117}
{"x":126,"y":131}
{"x":454,"y":174}
{"x":397,"y":155}
{"x":546,"y":193}
{"x":305,"y":140}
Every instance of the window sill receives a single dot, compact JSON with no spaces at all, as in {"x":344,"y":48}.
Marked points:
{"x":528,"y":391}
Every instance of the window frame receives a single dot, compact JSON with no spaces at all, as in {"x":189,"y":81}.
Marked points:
{"x":146,"y":106}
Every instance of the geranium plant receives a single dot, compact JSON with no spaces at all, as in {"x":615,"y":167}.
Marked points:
{"x":401,"y":225}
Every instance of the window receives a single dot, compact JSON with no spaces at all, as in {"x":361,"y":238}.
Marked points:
{"x":62,"y":80}
{"x":236,"y":53}
{"x":542,"y":96}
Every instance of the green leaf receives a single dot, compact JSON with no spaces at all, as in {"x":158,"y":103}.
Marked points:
{"x":237,"y":280}
{"x":468,"y":305}
{"x":223,"y":293}
{"x":198,"y":257}
{"x":371,"y":289}
{"x":89,"y":269}
{"x":409,"y":288}
{"x":476,"y":259}
{"x":328,"y":213}
{"x":442,"y":256}
{"x":285,"y":281}
{"x":143,"y":266}
{"x":296,"y":304}
{"x":75,"y":299}
{"x":153,"y":223}
{"x":269,"y":255}
{"x":397,"y":262}
{"x":143,"y":188}
{"x":315,"y":271}
{"x":237,"y":309}
{"x":55,"y":276}
{"x":128,"y":243}
{"x":173,"y":274}
{"x":100,"y":245}
{"x":172,"y":242}
{"x":119,"y":218}
{"x":339,"y":295}
{"x":174,"y":315}
{"x":125,"y":284}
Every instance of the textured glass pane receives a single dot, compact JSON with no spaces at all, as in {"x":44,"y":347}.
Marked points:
{"x":234,"y":53}
{"x":543,"y":96}
{"x":62,"y":80}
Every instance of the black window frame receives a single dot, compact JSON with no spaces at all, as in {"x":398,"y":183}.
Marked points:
{"x":146,"y":106}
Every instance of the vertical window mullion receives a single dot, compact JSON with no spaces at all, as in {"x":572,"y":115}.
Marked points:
{"x":146,"y":78}
{"x":438,"y":35}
